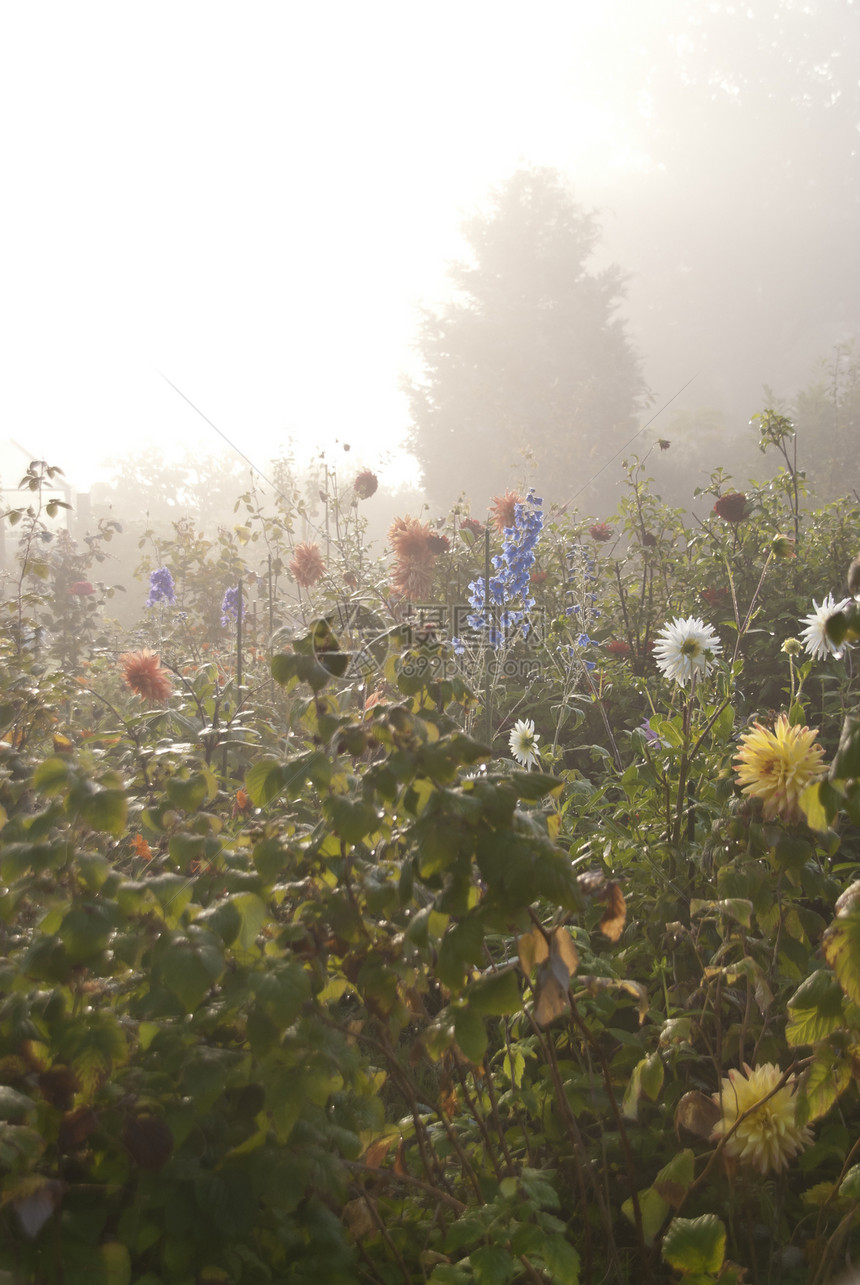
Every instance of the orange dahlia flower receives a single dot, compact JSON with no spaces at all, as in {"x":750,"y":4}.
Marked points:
{"x":414,"y":545}
{"x":503,"y":510}
{"x":307,"y":566}
{"x":144,"y":675}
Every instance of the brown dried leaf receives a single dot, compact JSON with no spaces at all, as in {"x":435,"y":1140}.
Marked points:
{"x":532,"y":949}
{"x":562,"y":948}
{"x":377,"y":1151}
{"x":358,"y":1219}
{"x":613,"y":921}
{"x":551,"y":999}
{"x":697,"y":1114}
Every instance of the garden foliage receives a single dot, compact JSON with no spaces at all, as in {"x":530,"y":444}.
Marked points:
{"x":306,"y":978}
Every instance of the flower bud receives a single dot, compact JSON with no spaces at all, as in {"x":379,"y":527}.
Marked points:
{"x":782,"y":547}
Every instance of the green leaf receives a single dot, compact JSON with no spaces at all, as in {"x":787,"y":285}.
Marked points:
{"x":737,"y":908}
{"x":674,"y":1179}
{"x":190,"y":964}
{"x":188,"y":794}
{"x":117,"y":1263}
{"x":534,"y":786}
{"x":287,"y":666}
{"x":653,"y":1210}
{"x":496,"y":995}
{"x":85,"y":931}
{"x":647,"y":1078}
{"x":270,"y":777}
{"x":841,"y":942}
{"x":470,"y":1034}
{"x":849,"y":1188}
{"x":823,"y":1081}
{"x":52,"y":775}
{"x":561,"y":1261}
{"x":695,"y":1244}
{"x":492,"y":1265}
{"x":351,"y":820}
{"x":814,"y":1010}
{"x":846,"y":762}
{"x":14,"y":1106}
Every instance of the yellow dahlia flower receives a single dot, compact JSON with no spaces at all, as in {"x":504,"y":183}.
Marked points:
{"x":768,"y":1137}
{"x":777,"y":766}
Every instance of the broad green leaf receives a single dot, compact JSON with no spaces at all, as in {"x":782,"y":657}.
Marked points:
{"x":493,"y":1265}
{"x":561,"y":1261}
{"x":534,"y":786}
{"x":190,"y":965}
{"x":270,"y":777}
{"x":85,"y":931}
{"x":351,"y":820}
{"x":841,"y":944}
{"x":813,"y":803}
{"x":737,"y":908}
{"x":828,"y":1075}
{"x":814,"y":1010}
{"x":647,"y":1079}
{"x":52,"y":775}
{"x":849,"y":1188}
{"x":470,"y":1034}
{"x":190,"y":793}
{"x":674,"y":1179}
{"x":496,"y":995}
{"x":117,"y":1263}
{"x":653,"y":1210}
{"x":695,"y":1244}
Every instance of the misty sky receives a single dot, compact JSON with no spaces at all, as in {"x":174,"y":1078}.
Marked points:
{"x":254,"y":200}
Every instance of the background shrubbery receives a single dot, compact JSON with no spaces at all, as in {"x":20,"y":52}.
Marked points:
{"x":305,"y":978}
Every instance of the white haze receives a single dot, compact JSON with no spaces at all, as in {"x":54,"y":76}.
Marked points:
{"x":253,"y":200}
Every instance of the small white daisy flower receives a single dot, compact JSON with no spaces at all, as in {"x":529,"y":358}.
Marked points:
{"x":523,"y":742}
{"x":686,"y":647}
{"x":815,"y":633}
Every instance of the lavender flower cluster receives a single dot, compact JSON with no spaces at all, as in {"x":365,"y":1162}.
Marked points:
{"x":510,"y":584}
{"x":583,"y":582}
{"x":231,"y":605}
{"x":161,"y":588}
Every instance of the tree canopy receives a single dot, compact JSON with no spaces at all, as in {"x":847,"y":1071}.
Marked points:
{"x":528,"y":373}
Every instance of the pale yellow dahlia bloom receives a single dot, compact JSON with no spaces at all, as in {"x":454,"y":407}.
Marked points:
{"x":777,"y":766}
{"x":769,"y":1136}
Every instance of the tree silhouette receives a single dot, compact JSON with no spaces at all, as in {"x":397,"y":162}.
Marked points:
{"x":528,"y":376}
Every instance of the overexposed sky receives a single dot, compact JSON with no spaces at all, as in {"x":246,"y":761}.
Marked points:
{"x":254,"y":199}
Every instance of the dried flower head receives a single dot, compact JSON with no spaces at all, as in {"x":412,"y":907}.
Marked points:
{"x":503,"y":510}
{"x":143,"y":674}
{"x":768,"y":1135}
{"x":306,"y":565}
{"x":731,"y":507}
{"x":777,"y":766}
{"x":783,"y":547}
{"x":412,"y":543}
{"x":365,"y":484}
{"x":472,"y":525}
{"x":409,"y":538}
{"x":601,"y":532}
